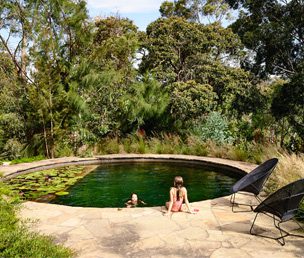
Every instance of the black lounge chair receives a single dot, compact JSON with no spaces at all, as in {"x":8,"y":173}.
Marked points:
{"x":253,"y":182}
{"x":282,"y":205}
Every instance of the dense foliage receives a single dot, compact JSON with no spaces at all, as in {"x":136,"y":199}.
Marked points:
{"x":16,"y":240}
{"x":70,"y":82}
{"x":273,"y":31}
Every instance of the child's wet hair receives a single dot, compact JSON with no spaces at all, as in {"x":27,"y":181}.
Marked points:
{"x":132,"y":195}
{"x":178,"y":183}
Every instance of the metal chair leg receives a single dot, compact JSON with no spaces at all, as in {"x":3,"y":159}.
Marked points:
{"x":283,"y":233}
{"x":251,"y":232}
{"x":232,"y":201}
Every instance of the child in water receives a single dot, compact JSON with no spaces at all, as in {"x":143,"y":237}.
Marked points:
{"x":178,"y":194}
{"x":134,"y":201}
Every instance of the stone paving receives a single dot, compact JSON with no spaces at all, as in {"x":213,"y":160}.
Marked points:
{"x":215,"y":231}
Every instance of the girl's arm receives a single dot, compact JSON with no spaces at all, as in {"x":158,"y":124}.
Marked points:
{"x":186,"y":200}
{"x":170,"y":203}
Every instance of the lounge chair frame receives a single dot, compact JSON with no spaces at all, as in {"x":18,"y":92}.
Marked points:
{"x":282,"y":206}
{"x":252,"y":183}
{"x":234,"y":203}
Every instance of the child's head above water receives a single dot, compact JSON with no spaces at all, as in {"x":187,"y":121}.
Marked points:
{"x":134,"y":198}
{"x":134,"y":201}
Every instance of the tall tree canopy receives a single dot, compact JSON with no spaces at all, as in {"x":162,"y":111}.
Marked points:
{"x":106,"y":73}
{"x":273,"y":31}
{"x":12,"y":101}
{"x":52,"y":35}
{"x":177,"y":50}
{"x":201,"y":11}
{"x":68,"y":81}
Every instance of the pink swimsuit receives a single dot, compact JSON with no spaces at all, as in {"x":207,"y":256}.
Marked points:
{"x":177,"y":205}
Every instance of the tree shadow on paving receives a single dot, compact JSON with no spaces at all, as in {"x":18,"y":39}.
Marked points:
{"x":124,"y":239}
{"x":237,"y":227}
{"x":244,"y":227}
{"x":171,"y":252}
{"x":220,"y":202}
{"x":297,"y":243}
{"x":123,"y":236}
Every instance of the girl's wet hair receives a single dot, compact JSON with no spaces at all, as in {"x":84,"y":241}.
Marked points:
{"x":132,"y":195}
{"x":178,"y":183}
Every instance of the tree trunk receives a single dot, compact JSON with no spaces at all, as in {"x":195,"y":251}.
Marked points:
{"x":52,"y":129}
{"x":45,"y":140}
{"x":23,"y":57}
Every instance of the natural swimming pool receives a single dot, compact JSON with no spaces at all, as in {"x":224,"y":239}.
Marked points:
{"x":111,"y":184}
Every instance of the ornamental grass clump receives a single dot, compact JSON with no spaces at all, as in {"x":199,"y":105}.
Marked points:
{"x":108,"y":146}
{"x":290,"y":168}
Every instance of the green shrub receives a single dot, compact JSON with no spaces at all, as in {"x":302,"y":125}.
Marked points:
{"x":214,"y":128}
{"x":27,"y":159}
{"x":64,"y":150}
{"x":12,"y":149}
{"x":85,"y":151}
{"x":16,"y":240}
{"x":171,"y":144}
{"x":127,"y":142}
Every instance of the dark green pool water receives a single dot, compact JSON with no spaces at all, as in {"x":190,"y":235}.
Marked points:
{"x":110,"y":185}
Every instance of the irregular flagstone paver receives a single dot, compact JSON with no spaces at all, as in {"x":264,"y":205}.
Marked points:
{"x":205,"y":247}
{"x":91,"y":233}
{"x":151,"y":242}
{"x":229,"y":253}
{"x":215,"y":231}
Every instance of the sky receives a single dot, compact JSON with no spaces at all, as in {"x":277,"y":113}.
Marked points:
{"x":141,"y":12}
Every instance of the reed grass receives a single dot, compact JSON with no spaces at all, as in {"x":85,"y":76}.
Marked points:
{"x":290,"y":167}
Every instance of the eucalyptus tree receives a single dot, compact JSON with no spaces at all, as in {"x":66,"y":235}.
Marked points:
{"x":12,"y":124}
{"x":178,"y":8}
{"x":15,"y":31}
{"x":52,"y":35}
{"x":14,"y":34}
{"x":176,"y":50}
{"x":273,"y":32}
{"x":107,"y":73}
{"x":61,"y":33}
{"x":201,"y":11}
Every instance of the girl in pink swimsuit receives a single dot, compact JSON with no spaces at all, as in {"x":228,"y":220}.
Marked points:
{"x":178,"y":194}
